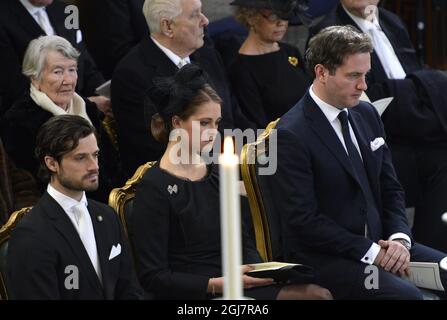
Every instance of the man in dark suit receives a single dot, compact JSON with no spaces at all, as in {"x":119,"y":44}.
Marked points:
{"x":416,"y":119}
{"x":177,"y":38}
{"x":111,"y":34}
{"x":340,"y":204}
{"x":19,"y":24}
{"x":69,"y":247}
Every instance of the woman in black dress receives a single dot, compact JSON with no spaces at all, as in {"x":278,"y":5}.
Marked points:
{"x":268,"y":77}
{"x":175,"y":224}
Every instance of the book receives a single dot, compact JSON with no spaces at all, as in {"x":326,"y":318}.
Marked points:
{"x":104,"y":89}
{"x":380,"y":104}
{"x":282,"y":272}
{"x":426,"y":275}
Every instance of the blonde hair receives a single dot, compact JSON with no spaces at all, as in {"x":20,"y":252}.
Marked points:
{"x":244,"y":15}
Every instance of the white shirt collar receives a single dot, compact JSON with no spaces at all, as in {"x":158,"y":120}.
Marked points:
{"x":31,"y":8}
{"x":329,"y":111}
{"x":64,"y":201}
{"x":365,"y":24}
{"x":171,"y":55}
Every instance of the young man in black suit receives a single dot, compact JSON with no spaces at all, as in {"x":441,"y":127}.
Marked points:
{"x":19,"y":24}
{"x":341,"y":206}
{"x":69,"y":247}
{"x":416,"y":119}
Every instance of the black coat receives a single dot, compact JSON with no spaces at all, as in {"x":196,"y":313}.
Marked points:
{"x":111,"y":34}
{"x":21,"y":124}
{"x":45,"y":242}
{"x":17,"y":29}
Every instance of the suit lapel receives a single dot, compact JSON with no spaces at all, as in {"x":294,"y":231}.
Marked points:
{"x":99,"y":226}
{"x":371,"y":164}
{"x":65,"y":227}
{"x":153,"y":57}
{"x":57,"y":21}
{"x":323,"y":129}
{"x":25,"y":19}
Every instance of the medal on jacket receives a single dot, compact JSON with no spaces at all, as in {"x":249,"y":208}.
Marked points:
{"x":293,"y":61}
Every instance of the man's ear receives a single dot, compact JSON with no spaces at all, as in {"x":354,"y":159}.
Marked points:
{"x":51,"y":164}
{"x":321,"y":73}
{"x":176,"y":122}
{"x":166,"y":27}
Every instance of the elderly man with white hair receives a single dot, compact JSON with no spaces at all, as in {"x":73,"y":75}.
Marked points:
{"x":177,"y":31}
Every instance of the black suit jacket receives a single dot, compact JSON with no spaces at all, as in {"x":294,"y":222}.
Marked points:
{"x":133,"y":78}
{"x":45,"y":242}
{"x":17,"y":29}
{"x":320,"y":202}
{"x":111,"y":34}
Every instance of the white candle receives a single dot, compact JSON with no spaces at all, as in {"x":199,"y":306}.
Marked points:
{"x":230,"y":219}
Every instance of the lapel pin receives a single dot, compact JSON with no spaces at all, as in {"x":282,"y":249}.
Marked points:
{"x":172,"y":189}
{"x":293,"y":61}
{"x":99,"y":218}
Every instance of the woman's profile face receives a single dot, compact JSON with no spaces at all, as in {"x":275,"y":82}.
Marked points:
{"x":269,"y":27}
{"x":201,"y":127}
{"x":58,"y":79}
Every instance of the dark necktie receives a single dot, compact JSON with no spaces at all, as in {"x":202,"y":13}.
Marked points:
{"x":374,"y":225}
{"x":352,"y":150}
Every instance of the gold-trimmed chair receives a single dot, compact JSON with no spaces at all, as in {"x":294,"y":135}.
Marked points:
{"x":5,"y":233}
{"x":109,"y":125}
{"x":121,"y":199}
{"x":250,"y":154}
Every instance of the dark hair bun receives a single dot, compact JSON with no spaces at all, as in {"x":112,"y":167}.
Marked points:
{"x":174,"y":93}
{"x":191,"y":78}
{"x":171,"y":96}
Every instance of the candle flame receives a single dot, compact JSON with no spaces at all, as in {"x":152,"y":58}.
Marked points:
{"x":228,"y":146}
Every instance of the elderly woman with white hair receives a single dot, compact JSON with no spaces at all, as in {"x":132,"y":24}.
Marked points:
{"x":50,"y":63}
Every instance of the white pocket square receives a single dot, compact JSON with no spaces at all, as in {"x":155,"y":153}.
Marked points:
{"x":78,"y":36}
{"x":377,"y":143}
{"x":116,"y":250}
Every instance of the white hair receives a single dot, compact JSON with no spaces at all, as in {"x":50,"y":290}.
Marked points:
{"x":34,"y":60}
{"x":155,"y":10}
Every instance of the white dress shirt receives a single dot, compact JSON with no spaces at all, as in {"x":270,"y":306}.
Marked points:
{"x":331,"y":114}
{"x":178,"y":61}
{"x":382,"y":45}
{"x":85,"y":230}
{"x":40,"y":15}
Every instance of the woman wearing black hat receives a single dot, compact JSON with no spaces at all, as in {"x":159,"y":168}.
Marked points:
{"x":268,"y":77}
{"x":175,"y":222}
